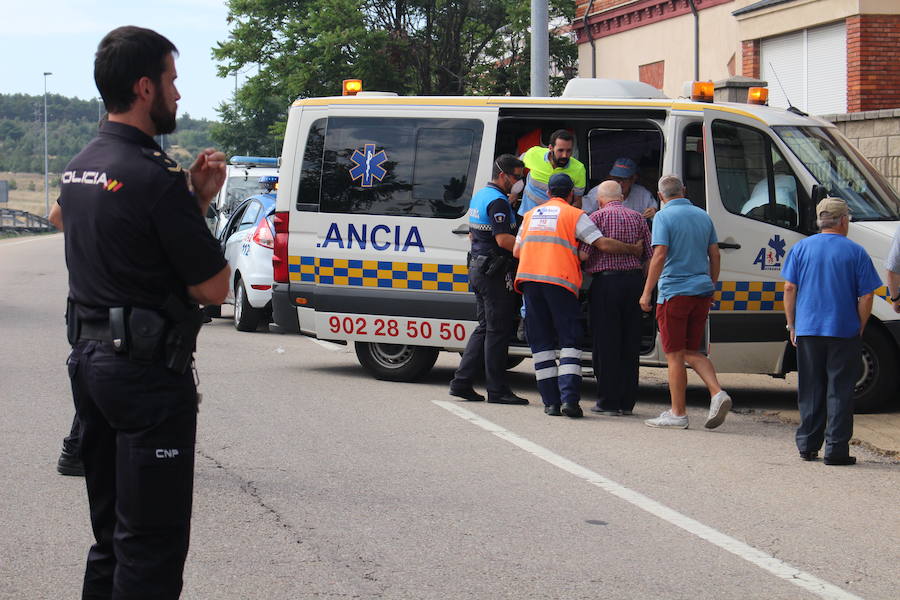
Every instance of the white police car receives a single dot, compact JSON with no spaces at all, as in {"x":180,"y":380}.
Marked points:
{"x":241,"y":182}
{"x":247,"y":240}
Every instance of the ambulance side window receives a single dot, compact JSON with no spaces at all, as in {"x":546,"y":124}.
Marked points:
{"x":311,"y":169}
{"x":694,"y":173}
{"x":413,"y":167}
{"x":755,"y":180}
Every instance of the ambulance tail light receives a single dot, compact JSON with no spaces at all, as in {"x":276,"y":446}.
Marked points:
{"x":280,"y":268}
{"x":351,"y":87}
{"x":758,"y":95}
{"x":263,"y":235}
{"x":702,"y":91}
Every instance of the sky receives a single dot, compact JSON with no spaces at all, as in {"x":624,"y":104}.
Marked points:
{"x":61,"y":36}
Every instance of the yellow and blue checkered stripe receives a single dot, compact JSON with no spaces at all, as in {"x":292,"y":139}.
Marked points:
{"x":730,"y":296}
{"x":756,"y":296}
{"x":379,"y":273}
{"x":749,"y":296}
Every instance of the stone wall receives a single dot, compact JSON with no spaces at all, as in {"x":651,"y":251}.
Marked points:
{"x":877,"y":135}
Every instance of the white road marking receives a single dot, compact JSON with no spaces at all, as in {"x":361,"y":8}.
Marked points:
{"x":765,"y":561}
{"x":36,"y":238}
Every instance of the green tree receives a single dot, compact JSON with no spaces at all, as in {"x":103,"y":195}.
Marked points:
{"x":305,"y":48}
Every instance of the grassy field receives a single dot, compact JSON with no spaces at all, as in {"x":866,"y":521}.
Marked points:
{"x":29,"y":195}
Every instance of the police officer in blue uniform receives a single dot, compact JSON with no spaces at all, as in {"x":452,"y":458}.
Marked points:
{"x":140,"y":257}
{"x":492,"y":230}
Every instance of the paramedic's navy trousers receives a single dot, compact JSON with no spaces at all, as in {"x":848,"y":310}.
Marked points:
{"x":552,"y":324}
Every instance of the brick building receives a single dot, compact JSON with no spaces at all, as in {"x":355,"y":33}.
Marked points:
{"x":825,"y":56}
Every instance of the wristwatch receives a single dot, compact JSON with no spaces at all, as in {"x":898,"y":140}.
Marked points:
{"x":789,"y":327}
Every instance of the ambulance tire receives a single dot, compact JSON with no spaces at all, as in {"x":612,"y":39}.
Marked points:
{"x":879,"y":382}
{"x":246,"y":318}
{"x":396,"y":362}
{"x":514,"y":361}
{"x":511,"y":362}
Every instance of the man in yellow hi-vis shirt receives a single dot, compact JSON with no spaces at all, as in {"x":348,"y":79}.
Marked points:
{"x":542,"y":163}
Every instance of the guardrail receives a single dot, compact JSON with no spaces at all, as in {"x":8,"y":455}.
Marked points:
{"x":21,"y":221}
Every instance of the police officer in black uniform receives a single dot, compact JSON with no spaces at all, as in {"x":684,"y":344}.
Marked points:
{"x":139,"y":256}
{"x":492,"y":229}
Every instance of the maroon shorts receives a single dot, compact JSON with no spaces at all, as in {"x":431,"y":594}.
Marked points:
{"x":682,"y":322}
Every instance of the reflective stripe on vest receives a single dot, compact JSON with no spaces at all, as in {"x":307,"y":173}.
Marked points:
{"x":569,"y":285}
{"x":549,"y":239}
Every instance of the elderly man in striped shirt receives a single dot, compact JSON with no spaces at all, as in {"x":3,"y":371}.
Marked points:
{"x":615,"y":313}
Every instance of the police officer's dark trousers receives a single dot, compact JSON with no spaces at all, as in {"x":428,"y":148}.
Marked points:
{"x":139,"y":424}
{"x":827,"y":370}
{"x":552,"y":323}
{"x":488,"y":346}
{"x":616,"y":332}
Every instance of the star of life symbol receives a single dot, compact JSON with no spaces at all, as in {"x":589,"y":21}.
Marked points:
{"x":769,"y":257}
{"x":367,"y":165}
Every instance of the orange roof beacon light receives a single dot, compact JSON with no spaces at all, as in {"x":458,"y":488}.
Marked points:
{"x":702,"y":91}
{"x":352,"y":87}
{"x":758,"y":95}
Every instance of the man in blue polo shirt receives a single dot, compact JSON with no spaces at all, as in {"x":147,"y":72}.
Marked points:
{"x":828,"y":294}
{"x":686,"y":264}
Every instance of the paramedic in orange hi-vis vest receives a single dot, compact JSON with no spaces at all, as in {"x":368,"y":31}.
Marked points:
{"x":549,"y":276}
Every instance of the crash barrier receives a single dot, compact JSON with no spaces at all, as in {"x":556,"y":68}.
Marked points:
{"x":21,"y":221}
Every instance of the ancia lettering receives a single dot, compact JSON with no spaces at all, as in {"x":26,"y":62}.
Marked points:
{"x":379,"y":237}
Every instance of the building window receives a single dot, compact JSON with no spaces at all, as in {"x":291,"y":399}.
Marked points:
{"x":807,"y":69}
{"x":653,"y":73}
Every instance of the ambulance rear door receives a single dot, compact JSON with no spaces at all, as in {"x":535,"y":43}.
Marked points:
{"x":390,"y":237}
{"x":758,"y":202}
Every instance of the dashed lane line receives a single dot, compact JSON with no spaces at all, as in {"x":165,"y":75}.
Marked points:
{"x":765,"y":561}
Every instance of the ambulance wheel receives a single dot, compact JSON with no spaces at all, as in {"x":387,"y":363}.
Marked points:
{"x":246,"y":318}
{"x":878,"y":383}
{"x":514,"y":361}
{"x":395,"y":362}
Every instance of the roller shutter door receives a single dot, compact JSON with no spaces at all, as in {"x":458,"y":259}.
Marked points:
{"x":811,"y":65}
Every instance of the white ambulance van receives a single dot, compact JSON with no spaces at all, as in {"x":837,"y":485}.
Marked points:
{"x":371,"y":223}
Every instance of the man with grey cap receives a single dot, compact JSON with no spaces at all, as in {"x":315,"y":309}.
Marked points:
{"x":637,"y":197}
{"x":829,"y":287}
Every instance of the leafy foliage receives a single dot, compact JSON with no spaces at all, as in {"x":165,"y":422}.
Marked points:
{"x":71,"y":124}
{"x":305,"y":48}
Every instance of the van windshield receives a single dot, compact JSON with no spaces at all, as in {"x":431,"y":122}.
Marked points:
{"x":843,"y":172}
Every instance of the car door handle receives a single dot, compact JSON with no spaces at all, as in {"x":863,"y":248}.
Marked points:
{"x":462,"y":229}
{"x":729,"y":246}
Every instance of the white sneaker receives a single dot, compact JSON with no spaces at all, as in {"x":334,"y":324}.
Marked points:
{"x":719,"y":405}
{"x":667,"y":420}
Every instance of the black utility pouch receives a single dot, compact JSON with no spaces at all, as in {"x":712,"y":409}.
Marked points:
{"x":118,"y":330}
{"x":73,"y":324}
{"x":498,"y":265}
{"x":147,"y":329}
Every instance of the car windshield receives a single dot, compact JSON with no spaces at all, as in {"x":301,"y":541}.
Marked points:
{"x":843,"y":172}
{"x":240,"y":187}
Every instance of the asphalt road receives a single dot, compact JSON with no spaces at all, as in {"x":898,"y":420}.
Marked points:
{"x":316,"y":481}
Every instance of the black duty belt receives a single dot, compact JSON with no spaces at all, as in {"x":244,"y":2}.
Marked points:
{"x":613,"y":272}
{"x":95,"y":330}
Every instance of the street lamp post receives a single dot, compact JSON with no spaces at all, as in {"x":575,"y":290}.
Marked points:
{"x":46,"y":168}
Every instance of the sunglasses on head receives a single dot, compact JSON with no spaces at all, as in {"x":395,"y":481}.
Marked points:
{"x":507,"y":173}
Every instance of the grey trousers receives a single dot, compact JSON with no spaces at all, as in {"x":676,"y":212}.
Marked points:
{"x":828,"y":368}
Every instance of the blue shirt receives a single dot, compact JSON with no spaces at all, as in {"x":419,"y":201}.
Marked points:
{"x":687,"y":232}
{"x":831,"y":272}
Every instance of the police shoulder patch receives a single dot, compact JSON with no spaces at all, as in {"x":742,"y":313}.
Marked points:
{"x":162,"y":160}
